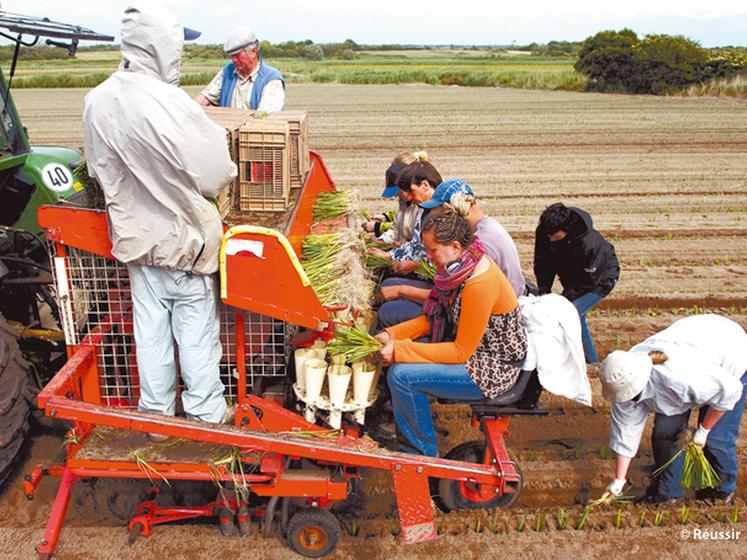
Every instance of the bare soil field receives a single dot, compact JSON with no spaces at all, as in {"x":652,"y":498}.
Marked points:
{"x":664,"y":178}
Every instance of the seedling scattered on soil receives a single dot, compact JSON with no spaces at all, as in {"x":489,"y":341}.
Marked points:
{"x":642,"y":519}
{"x":440,"y":525}
{"x":478,"y":525}
{"x":659,"y":519}
{"x":493,"y":523}
{"x":351,"y":527}
{"x":562,"y":518}
{"x":584,"y":518}
{"x":539,"y":522}
{"x":522,"y":524}
{"x":735,"y":515}
{"x":604,"y":451}
{"x":685,"y":515}
{"x":618,"y":518}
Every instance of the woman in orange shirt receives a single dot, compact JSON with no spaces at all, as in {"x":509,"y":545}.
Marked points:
{"x":478,"y":341}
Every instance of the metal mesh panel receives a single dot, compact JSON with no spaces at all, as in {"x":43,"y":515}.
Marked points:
{"x":100,"y":297}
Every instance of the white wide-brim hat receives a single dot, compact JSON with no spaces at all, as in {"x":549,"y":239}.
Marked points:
{"x":624,"y":374}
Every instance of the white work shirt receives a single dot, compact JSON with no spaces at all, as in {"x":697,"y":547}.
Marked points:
{"x":271,"y":101}
{"x":707,"y":356}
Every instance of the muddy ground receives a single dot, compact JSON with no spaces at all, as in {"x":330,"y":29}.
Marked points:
{"x":664,"y":178}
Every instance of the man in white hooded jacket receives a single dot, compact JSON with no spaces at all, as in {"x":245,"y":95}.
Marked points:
{"x":159,"y":159}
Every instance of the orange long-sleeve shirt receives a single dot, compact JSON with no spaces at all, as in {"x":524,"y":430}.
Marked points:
{"x":483,"y":295}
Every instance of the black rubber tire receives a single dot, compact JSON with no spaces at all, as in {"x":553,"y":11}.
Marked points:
{"x":450,"y":492}
{"x":313,"y":533}
{"x":15,"y":399}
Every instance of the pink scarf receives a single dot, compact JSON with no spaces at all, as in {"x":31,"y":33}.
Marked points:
{"x":445,"y":285}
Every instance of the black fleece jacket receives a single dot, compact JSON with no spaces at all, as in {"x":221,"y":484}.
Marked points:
{"x":584,"y":260}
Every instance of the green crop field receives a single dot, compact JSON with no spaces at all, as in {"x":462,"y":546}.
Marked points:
{"x":467,"y":68}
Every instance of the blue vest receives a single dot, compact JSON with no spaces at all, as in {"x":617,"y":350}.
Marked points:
{"x":230,"y":77}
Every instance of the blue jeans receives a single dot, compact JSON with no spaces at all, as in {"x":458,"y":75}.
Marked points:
{"x":583,"y":304}
{"x":720,"y":448}
{"x":410,"y":385}
{"x":399,"y":310}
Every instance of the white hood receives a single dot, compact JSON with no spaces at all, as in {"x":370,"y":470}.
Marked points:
{"x":152,"y":41}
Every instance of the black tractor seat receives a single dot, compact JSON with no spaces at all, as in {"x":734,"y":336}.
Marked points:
{"x":522,"y":398}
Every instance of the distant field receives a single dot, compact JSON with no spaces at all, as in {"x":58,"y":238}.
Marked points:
{"x":435,"y":67}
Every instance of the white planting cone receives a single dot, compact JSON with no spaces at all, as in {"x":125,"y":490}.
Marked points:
{"x":363,"y":377}
{"x":315,"y":370}
{"x":301,"y":355}
{"x":338,"y":378}
{"x":321,"y":347}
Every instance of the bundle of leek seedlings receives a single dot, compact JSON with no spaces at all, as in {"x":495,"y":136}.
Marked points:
{"x":334,"y":264}
{"x":375,"y":262}
{"x":426,"y":270}
{"x":697,"y":472}
{"x":331,"y":205}
{"x":353,"y":342}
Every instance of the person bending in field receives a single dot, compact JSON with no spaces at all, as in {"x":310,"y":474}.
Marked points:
{"x":567,"y":245}
{"x":477,"y":338}
{"x":697,"y":362}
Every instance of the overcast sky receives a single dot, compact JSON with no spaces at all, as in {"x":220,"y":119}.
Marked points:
{"x":480,"y":22}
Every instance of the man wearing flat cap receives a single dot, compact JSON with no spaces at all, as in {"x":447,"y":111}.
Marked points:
{"x":246,"y":82}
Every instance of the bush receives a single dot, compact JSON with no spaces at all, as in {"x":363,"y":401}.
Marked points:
{"x":312,"y":52}
{"x":619,"y":61}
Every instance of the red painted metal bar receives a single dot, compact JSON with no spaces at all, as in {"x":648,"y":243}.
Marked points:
{"x":348,"y":451}
{"x":240,"y":358}
{"x":57,"y":515}
{"x":77,"y":227}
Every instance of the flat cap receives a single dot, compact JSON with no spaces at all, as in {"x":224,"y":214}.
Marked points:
{"x":238,"y":39}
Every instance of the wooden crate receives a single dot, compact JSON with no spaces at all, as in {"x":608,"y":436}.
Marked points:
{"x":298,"y":125}
{"x":232,"y":120}
{"x":264,"y":165}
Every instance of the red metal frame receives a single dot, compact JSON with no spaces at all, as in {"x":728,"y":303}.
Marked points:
{"x":266,"y":434}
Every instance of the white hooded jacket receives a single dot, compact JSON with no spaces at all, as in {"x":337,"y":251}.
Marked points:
{"x":155,"y":153}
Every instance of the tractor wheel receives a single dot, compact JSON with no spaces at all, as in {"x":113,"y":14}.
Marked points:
{"x":313,"y":532}
{"x":457,"y":494}
{"x":15,"y":397}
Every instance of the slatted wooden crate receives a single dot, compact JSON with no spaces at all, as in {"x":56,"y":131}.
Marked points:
{"x":299,"y":146}
{"x":232,"y":120}
{"x":264,"y":165}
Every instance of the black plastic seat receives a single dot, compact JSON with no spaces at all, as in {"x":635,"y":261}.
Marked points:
{"x":522,"y":398}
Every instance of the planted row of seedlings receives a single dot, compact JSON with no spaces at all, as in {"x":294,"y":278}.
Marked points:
{"x":579,"y":518}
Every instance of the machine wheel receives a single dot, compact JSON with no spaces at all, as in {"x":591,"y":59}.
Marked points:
{"x":15,"y":397}
{"x":313,"y":533}
{"x":456,"y":494}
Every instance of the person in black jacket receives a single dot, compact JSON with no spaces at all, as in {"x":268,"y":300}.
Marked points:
{"x":567,"y":245}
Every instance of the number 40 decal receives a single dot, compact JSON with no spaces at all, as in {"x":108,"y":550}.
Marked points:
{"x":57,"y":177}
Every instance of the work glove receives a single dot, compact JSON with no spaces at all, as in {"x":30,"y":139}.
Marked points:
{"x":613,"y":490}
{"x":700,"y":436}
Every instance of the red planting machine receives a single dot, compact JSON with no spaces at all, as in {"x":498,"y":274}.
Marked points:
{"x":291,"y":472}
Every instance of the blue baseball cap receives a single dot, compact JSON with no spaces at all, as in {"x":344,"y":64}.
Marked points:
{"x":445,"y":191}
{"x":191,"y":34}
{"x":392,"y":189}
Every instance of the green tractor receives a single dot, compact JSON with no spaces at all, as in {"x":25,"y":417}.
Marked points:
{"x":32,"y":346}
